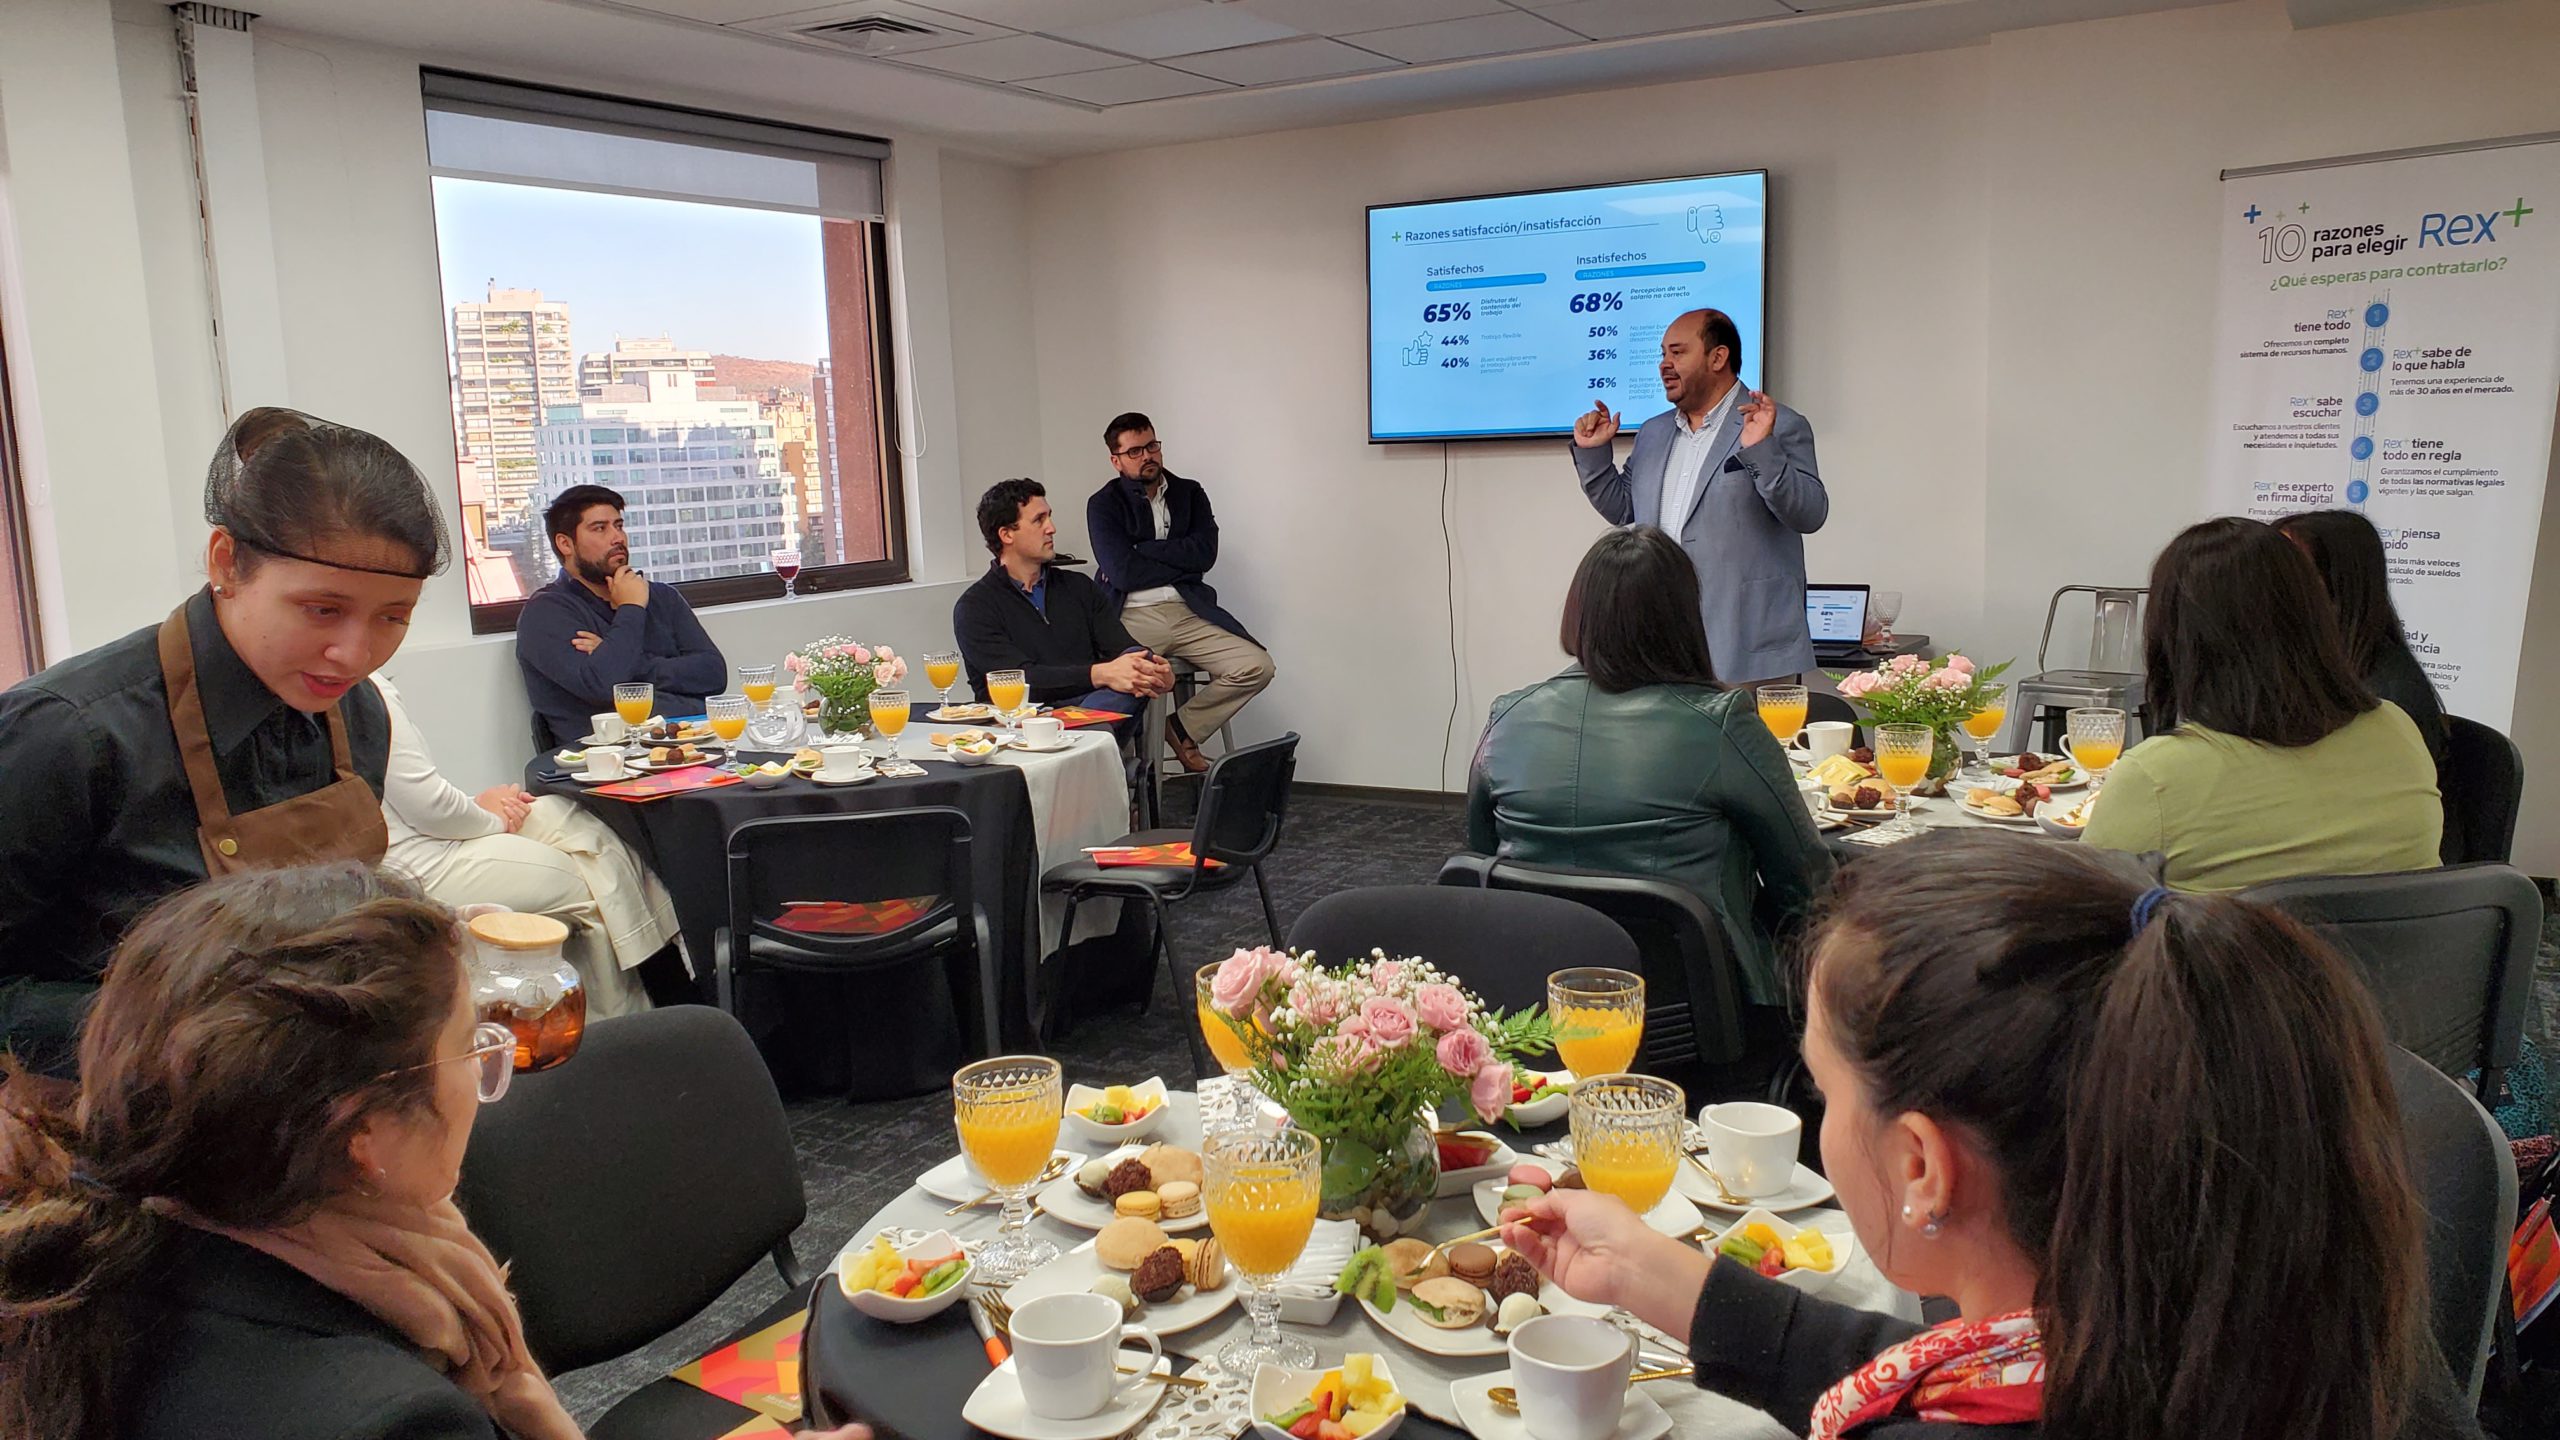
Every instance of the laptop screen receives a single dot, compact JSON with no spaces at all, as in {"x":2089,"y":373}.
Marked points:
{"x":1836,"y":614}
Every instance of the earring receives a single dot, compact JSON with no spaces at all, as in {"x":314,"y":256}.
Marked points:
{"x":1931,"y":1230}
{"x":1906,"y":1213}
{"x":222,"y":591}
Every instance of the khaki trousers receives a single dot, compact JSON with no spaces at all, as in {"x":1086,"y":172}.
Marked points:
{"x":1238,"y":668}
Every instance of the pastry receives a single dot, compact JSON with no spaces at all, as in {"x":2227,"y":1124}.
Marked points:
{"x":1159,"y":1277}
{"x":1413,"y":1261}
{"x":1126,"y":1241}
{"x":1205,"y":1265}
{"x":1516,"y":1311}
{"x":1472,"y":1262}
{"x":1455,"y":1304}
{"x":1570,"y":1179}
{"x":1126,"y":1176}
{"x":1117,"y":1288}
{"x":805,"y":756}
{"x":662,"y":754}
{"x":1089,"y":1178}
{"x":1535,"y":1176}
{"x":1141,"y":1203}
{"x":1513,"y":1276}
{"x":1172,"y":1162}
{"x":1180,"y":1198}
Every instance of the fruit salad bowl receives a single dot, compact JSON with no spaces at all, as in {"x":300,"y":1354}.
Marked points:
{"x":862,"y":1271}
{"x":1146,"y":1098}
{"x":1278,"y":1392}
{"x":1842,"y":1245}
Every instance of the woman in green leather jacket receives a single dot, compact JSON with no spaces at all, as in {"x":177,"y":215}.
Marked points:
{"x":1633,"y":760}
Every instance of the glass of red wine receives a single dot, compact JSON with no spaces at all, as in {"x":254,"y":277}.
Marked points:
{"x":786,"y":563}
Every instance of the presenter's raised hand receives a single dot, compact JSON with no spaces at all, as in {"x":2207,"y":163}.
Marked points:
{"x":1759,"y":417}
{"x":1596,"y":426}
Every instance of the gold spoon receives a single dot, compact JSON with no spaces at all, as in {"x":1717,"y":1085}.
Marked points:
{"x":1056,"y":1167}
{"x":1507,"y":1399}
{"x":1724,"y":1192}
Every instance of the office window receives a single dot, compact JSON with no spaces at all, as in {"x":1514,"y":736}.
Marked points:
{"x":685,"y":284}
{"x":20,"y":654}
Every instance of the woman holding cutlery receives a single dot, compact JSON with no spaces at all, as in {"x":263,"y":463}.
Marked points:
{"x":2146,"y":1141}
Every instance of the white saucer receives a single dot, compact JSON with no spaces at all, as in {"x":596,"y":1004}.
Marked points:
{"x":996,"y":1407}
{"x":1639,"y":1419}
{"x":1674,"y":1216}
{"x":583,"y":778}
{"x":955,"y":1179}
{"x":1805,"y":1190}
{"x":1074,"y":1273}
{"x":1065,"y":740}
{"x":1066,"y":1203}
{"x":858,"y":778}
{"x":591,"y":741}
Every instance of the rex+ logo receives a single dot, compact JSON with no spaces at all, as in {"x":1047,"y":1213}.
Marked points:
{"x":2470,"y":228}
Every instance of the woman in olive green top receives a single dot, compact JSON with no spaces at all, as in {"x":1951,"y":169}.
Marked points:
{"x":2275,"y":761}
{"x":1634,"y":761}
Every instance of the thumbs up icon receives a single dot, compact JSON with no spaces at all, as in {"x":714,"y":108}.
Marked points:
{"x":1419,"y":352}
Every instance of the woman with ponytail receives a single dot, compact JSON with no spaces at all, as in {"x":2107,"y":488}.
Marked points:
{"x":241,"y":1221}
{"x":2146,"y":1142}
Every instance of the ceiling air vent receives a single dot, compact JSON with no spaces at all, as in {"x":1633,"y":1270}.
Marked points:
{"x":882,"y":32}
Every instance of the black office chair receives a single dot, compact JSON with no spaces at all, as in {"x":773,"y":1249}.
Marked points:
{"x":2466,"y":1179}
{"x":631,"y":1187}
{"x":2483,"y":782}
{"x":1244,"y":799}
{"x":2448,"y":954}
{"x":1693,"y":985}
{"x":1501,"y":944}
{"x":1823,"y":705}
{"x":904,"y":880}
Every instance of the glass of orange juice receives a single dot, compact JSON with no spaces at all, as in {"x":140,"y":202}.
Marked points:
{"x":756,"y":683}
{"x":634,"y":701}
{"x":1903,"y":753}
{"x":1782,"y":709}
{"x":888,"y":715}
{"x":1006,"y":690}
{"x":2096,"y":737}
{"x":1007,"y":1110}
{"x":1262,"y":1189}
{"x":1983,"y":724}
{"x":728,"y":716}
{"x":1598,"y":1016}
{"x":942,"y":671}
{"x":1626,"y":1136}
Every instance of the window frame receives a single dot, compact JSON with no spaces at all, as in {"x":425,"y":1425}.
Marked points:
{"x":895,"y":567}
{"x":25,"y":639}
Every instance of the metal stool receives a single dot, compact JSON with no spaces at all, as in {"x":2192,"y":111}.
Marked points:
{"x":2113,"y":677}
{"x":1187,"y":678}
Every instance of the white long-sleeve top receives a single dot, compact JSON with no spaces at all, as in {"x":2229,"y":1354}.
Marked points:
{"x":417,"y":802}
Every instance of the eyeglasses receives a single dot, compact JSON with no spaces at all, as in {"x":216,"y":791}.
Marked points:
{"x":1152,"y":447}
{"x":493,"y":1047}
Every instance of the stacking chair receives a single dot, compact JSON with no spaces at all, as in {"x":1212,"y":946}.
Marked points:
{"x":1693,"y":985}
{"x":2113,"y":677}
{"x":631,"y":1187}
{"x":1501,"y":944}
{"x":1244,"y":799}
{"x":1823,"y":705}
{"x":2466,"y":1179}
{"x":2483,"y":784}
{"x":2447,"y":953}
{"x":894,"y":887}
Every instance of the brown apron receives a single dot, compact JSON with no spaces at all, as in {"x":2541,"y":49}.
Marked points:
{"x":339,"y":821}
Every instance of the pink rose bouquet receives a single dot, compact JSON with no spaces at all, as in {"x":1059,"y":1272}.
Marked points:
{"x":1907,"y":690}
{"x":843,"y":672}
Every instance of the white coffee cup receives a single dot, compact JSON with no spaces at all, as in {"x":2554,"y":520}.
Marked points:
{"x":1752,"y":1145}
{"x":1066,"y":1354}
{"x":1815,"y":794}
{"x":1826,"y":738}
{"x":1571,"y":1372}
{"x":605,"y":763}
{"x":840,"y":762}
{"x":1044,"y":730}
{"x":608,"y":726}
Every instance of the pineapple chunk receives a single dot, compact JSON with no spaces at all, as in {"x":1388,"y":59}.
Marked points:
{"x":880,"y":1262}
{"x":1360,"y":1422}
{"x":1809,"y":1250}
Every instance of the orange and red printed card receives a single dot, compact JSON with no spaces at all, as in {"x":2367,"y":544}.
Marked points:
{"x":662,"y":783}
{"x":854,"y":917}
{"x":1176,"y":854}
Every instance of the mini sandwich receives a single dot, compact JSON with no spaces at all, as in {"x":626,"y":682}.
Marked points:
{"x":1448,"y":1303}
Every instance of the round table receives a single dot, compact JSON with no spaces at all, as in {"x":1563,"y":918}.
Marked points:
{"x":912,"y":1380}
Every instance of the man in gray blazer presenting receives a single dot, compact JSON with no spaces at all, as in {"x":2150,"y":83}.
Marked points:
{"x":1728,"y":473}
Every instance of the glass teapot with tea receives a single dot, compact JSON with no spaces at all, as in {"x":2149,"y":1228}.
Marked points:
{"x":520,"y":979}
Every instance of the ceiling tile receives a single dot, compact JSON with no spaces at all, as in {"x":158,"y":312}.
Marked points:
{"x":718,"y":12}
{"x":1283,"y":60}
{"x":1616,"y":19}
{"x":1126,"y":85}
{"x":1013,"y":57}
{"x":1345,"y":17}
{"x":1051,"y":15}
{"x":1186,"y":31}
{"x":1478,"y":35}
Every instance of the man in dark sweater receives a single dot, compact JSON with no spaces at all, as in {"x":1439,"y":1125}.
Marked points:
{"x":1054,"y":625}
{"x":603,"y":624}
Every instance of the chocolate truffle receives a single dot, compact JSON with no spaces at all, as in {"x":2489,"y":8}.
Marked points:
{"x":1514,"y":1275}
{"x":1128,"y":1175}
{"x":1160,"y":1276}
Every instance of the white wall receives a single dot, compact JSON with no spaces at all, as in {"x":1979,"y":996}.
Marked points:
{"x":1993,"y":287}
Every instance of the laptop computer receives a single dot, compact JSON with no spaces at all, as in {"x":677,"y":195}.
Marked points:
{"x":1837,"y":617}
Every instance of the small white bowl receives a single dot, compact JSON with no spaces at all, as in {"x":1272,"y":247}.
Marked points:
{"x":907,"y":1312}
{"x":1082,"y":1097}
{"x":1546,"y":1111}
{"x":763,"y":779}
{"x":958,"y":756}
{"x":2046,"y":821}
{"x":1844,"y":1248}
{"x":1275,"y":1390}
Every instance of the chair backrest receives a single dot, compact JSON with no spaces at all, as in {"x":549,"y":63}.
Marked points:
{"x":1693,"y":989}
{"x":2466,"y":1181}
{"x":1501,"y":944}
{"x":632,"y":1185}
{"x":2448,"y":954}
{"x":1243,"y":801}
{"x":2483,"y":784}
{"x":875,"y":856}
{"x":2115,"y":627}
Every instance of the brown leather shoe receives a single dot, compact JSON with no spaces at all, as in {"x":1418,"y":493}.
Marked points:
{"x":1183,"y":748}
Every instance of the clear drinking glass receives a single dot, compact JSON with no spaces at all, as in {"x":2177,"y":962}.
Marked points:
{"x":1883,"y":608}
{"x":888,"y":715}
{"x":1006,"y":690}
{"x":1981,"y":726}
{"x":1782,"y":709}
{"x":1598,"y":1016}
{"x":1007,"y":1110}
{"x":634,"y":701}
{"x":2096,"y":737}
{"x":1903,"y":753}
{"x":942,"y":672}
{"x":756,"y":682}
{"x":1626,"y":1136}
{"x":786,"y":564}
{"x":1262,"y":1191}
{"x":727,"y":716}
{"x":1226,"y":1100}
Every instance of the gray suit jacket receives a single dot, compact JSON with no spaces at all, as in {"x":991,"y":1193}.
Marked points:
{"x":1745,"y":532}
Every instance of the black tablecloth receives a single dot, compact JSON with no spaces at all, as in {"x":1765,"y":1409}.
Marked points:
{"x":685,"y":839}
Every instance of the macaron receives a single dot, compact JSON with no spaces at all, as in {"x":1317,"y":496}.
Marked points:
{"x":1144,"y":1204}
{"x":1472,"y":1262}
{"x":1178,"y":1199}
{"x":1534,"y":1176}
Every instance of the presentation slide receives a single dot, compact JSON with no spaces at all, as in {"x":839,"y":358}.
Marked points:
{"x":1508,"y":315}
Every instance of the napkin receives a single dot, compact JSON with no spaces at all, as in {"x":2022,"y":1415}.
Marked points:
{"x":1879,"y":836}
